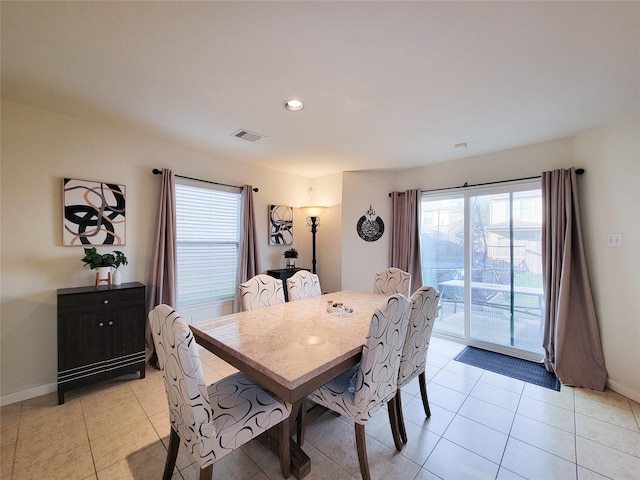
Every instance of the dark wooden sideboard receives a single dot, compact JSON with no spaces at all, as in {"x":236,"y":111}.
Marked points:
{"x":283,"y":274}
{"x":100,"y":334}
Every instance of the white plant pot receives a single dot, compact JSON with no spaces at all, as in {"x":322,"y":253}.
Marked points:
{"x":103,"y":273}
{"x":116,"y":278}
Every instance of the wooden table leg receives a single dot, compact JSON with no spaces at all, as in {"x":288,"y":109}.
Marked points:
{"x":300,"y":461}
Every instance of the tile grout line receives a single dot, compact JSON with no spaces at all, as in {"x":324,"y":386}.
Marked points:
{"x":86,"y":429}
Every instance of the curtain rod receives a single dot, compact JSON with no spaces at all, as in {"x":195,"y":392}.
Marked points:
{"x":158,"y":172}
{"x":579,"y":171}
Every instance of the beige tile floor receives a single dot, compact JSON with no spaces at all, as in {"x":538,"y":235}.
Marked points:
{"x":483,"y":426}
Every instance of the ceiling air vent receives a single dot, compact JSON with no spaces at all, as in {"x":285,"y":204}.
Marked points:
{"x":247,"y":135}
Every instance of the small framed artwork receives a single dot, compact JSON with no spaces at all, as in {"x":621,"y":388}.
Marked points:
{"x":280,"y":225}
{"x":94,"y":213}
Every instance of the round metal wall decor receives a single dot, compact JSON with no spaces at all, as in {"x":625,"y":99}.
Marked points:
{"x":370,"y":227}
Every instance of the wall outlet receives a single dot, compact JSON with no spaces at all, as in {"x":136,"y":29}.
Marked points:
{"x":614,"y":240}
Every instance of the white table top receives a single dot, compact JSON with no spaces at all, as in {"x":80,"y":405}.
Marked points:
{"x":295,"y":347}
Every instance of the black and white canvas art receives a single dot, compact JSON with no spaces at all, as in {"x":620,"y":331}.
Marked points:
{"x":280,"y":225}
{"x":94,"y":213}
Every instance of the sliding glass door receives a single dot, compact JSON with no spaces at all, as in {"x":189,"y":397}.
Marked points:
{"x":442,"y":240}
{"x":481,"y":250}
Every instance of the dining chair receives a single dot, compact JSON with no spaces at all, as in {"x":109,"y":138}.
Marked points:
{"x":361,"y":391}
{"x":392,"y":280}
{"x":261,"y":291}
{"x":424,"y":310}
{"x":303,"y":284}
{"x":210,"y":421}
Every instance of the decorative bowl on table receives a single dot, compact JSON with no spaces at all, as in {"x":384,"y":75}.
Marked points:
{"x":337,"y":309}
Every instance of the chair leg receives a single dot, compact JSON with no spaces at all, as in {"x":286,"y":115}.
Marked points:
{"x":206,"y":473}
{"x":423,"y":391}
{"x":172,"y":454}
{"x":392,"y":407}
{"x":361,"y":445}
{"x":400,"y":415}
{"x":284,"y":449}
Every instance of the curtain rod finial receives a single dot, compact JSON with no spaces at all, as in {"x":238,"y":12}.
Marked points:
{"x":156,"y":171}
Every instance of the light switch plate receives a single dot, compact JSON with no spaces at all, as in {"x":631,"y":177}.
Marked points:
{"x":614,"y":240}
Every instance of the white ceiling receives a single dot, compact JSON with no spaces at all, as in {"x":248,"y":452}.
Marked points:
{"x":385,"y":84}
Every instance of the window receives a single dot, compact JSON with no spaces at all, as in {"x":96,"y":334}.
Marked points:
{"x":208,"y":235}
{"x":482,"y":250}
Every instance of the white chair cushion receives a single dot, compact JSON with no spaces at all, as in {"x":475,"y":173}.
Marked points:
{"x":242,"y":410}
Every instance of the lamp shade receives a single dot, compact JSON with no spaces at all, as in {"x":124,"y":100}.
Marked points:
{"x":313,"y":211}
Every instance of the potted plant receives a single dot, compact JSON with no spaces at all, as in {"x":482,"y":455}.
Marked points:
{"x":96,"y":260}
{"x":291,"y":256}
{"x":102,"y":263}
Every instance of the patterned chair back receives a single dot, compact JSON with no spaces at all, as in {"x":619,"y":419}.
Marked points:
{"x":303,"y":284}
{"x":190,"y":412}
{"x":261,"y":291}
{"x":377,"y":377}
{"x":392,"y":280}
{"x":424,"y":309}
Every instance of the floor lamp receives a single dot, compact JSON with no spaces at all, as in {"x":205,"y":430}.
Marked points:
{"x":313,"y":222}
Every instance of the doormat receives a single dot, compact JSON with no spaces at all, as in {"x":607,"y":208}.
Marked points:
{"x":518,"y":368}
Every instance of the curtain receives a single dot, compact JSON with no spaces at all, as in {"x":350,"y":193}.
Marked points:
{"x":249,"y":255}
{"x":571,"y":335}
{"x":404,"y":248}
{"x":162,"y":283}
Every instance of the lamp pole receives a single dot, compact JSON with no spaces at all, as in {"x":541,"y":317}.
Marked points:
{"x":313,"y":224}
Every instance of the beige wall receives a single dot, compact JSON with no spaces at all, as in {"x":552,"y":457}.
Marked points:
{"x":361,"y":259}
{"x":610,"y":202}
{"x":40,"y":148}
{"x":521,"y":162}
{"x":327,"y":191}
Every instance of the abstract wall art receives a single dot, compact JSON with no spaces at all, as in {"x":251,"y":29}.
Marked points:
{"x":94,"y":213}
{"x":280,"y":225}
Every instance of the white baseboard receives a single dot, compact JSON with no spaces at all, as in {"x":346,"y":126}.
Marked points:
{"x":622,"y":390}
{"x":27,"y":394}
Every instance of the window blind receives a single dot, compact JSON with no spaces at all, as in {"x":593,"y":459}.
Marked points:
{"x":208,"y":236}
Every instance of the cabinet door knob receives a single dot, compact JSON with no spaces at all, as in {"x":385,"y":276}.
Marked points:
{"x":106,"y":302}
{"x":110,"y":323}
{"x":101,"y":324}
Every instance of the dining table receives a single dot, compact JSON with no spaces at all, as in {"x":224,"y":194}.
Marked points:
{"x":293,"y":348}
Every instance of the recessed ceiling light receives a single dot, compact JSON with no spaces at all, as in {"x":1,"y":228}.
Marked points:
{"x":293,"y":105}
